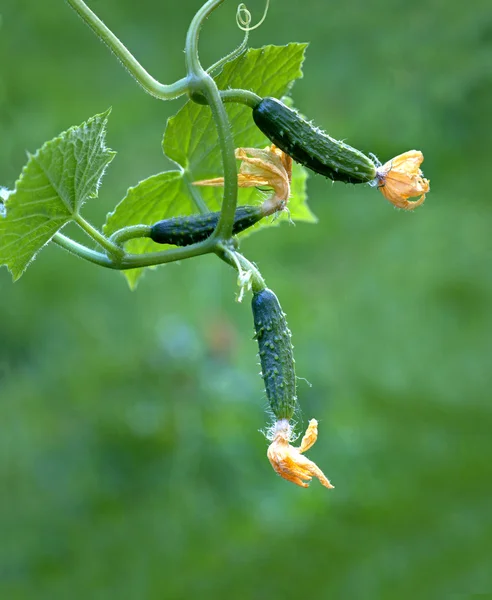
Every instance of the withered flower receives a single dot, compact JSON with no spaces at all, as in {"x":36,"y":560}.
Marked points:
{"x":288,"y":460}
{"x":401,"y":178}
{"x":269,"y":167}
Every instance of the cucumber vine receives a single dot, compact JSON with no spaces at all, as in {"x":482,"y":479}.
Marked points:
{"x":232,"y":106}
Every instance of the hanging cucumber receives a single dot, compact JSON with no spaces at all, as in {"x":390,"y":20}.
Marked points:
{"x":279,"y":375}
{"x":310,"y":146}
{"x":183,"y":231}
{"x":275,"y":351}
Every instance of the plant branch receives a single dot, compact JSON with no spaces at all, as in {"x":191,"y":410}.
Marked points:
{"x":143,"y":78}
{"x":257,"y":281}
{"x":98,"y":237}
{"x":137,"y":261}
{"x":82,"y":252}
{"x":249,"y":275}
{"x":224,"y":227}
{"x":130,"y":233}
{"x":132,"y":261}
{"x":241,"y":97}
{"x":193,"y":66}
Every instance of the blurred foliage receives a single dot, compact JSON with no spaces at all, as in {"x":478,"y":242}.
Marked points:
{"x":131,"y":463}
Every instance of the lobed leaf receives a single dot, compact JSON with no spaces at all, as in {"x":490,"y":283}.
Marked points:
{"x":54,"y":184}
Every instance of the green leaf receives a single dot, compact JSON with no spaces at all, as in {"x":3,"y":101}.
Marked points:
{"x":191,"y":140}
{"x":158,"y":197}
{"x":54,"y":184}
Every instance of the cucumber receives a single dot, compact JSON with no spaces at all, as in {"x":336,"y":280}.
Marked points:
{"x":183,"y":231}
{"x":310,"y":146}
{"x":276,"y":355}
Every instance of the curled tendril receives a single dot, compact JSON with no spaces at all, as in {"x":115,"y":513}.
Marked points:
{"x":243,"y":17}
{"x":243,"y":20}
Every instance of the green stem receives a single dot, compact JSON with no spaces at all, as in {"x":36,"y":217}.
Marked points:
{"x":242,"y":266}
{"x":202,"y":84}
{"x":137,"y":261}
{"x":82,"y":252}
{"x":129,"y":233}
{"x":258,"y":283}
{"x":132,"y":261}
{"x":143,"y":78}
{"x":98,"y":237}
{"x":224,"y":227}
{"x":241,"y":96}
{"x":193,"y":66}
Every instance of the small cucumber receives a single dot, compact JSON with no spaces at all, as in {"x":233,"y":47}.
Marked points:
{"x":310,"y":146}
{"x":275,"y":351}
{"x":183,"y":231}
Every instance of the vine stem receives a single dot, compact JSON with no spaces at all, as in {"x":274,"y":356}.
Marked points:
{"x":225,"y":225}
{"x":193,"y":65}
{"x":248,"y":273}
{"x":143,"y":78}
{"x":201,"y":82}
{"x":240,"y":96}
{"x":130,"y":233}
{"x":83,"y":252}
{"x":257,"y":281}
{"x":133,"y":261}
{"x":98,"y":237}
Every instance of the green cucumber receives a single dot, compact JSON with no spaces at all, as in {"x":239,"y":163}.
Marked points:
{"x":183,"y":231}
{"x":276,"y":355}
{"x":310,"y":146}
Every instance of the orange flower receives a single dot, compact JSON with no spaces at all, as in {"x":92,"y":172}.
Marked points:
{"x":288,"y":460}
{"x":401,"y":178}
{"x":269,"y":167}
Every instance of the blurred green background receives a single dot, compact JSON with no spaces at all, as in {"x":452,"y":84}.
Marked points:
{"x":131,"y":462}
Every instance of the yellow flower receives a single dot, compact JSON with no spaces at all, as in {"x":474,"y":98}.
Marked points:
{"x":269,"y":167}
{"x":401,"y":178}
{"x":288,"y":460}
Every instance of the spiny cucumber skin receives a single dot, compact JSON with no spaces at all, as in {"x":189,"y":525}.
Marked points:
{"x":310,"y":146}
{"x":276,"y":355}
{"x":183,"y":231}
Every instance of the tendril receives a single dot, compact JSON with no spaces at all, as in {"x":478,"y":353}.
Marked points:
{"x":243,"y":46}
{"x":243,"y":17}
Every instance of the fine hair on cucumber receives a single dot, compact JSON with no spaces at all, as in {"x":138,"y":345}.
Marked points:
{"x":310,"y":146}
{"x":276,"y":353}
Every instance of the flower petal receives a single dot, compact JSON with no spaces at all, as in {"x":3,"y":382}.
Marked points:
{"x":288,"y":460}
{"x":267,"y":167}
{"x":401,"y":178}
